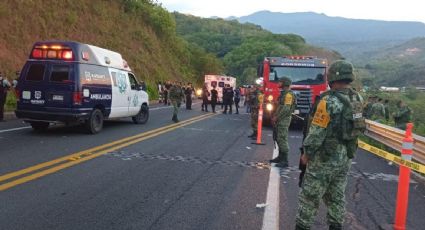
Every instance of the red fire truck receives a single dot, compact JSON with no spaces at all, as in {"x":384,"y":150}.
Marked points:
{"x":308,"y":75}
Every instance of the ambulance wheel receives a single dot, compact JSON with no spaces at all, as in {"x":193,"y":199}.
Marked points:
{"x":39,"y":125}
{"x":143,"y":115}
{"x":95,"y":122}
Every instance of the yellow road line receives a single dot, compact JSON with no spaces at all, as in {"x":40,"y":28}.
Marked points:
{"x":78,"y":155}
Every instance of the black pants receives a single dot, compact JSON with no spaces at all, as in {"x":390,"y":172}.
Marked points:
{"x":228,"y":103}
{"x":213,"y":103}
{"x":205,"y":104}
{"x":237,"y":105}
{"x":188,"y":102}
{"x":2,"y":102}
{"x":165,"y":97}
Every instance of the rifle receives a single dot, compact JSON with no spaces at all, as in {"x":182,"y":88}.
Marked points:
{"x":302,"y":167}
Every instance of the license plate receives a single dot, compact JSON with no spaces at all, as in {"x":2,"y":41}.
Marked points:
{"x":57,"y":98}
{"x":296,"y":111}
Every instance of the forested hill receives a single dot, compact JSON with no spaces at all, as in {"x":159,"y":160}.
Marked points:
{"x":401,"y":65}
{"x":141,"y":30}
{"x":348,"y":36}
{"x":243,"y":46}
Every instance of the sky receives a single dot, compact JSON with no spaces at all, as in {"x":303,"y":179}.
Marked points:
{"x":390,"y":10}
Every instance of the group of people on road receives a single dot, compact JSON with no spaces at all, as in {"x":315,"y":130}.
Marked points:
{"x":5,"y":86}
{"x":164,"y":89}
{"x":378,"y":110}
{"x":229,"y":97}
{"x":329,"y":144}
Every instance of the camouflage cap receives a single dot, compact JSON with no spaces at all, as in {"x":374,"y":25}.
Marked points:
{"x":341,"y":70}
{"x":285,"y":81}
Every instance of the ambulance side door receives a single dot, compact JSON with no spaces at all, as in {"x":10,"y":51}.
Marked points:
{"x":120,"y":93}
{"x":135,"y":98}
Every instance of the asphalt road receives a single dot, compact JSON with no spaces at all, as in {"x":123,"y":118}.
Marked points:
{"x":202,"y":173}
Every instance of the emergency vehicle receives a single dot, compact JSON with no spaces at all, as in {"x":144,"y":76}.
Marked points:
{"x":309,"y":80}
{"x":219,"y":82}
{"x":71,"y":82}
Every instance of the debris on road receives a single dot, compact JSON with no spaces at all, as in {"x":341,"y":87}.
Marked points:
{"x":263,"y":205}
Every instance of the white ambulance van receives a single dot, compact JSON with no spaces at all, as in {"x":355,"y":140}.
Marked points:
{"x":71,"y":82}
{"x":219,"y":81}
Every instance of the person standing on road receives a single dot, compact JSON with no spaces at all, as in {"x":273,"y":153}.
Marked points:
{"x":282,"y":120}
{"x":4,"y":87}
{"x":176,"y":95}
{"x":228,"y":98}
{"x":402,"y":116}
{"x":205,"y":95}
{"x":247,"y":103}
{"x":214,"y":98}
{"x":329,"y":147}
{"x":237,"y":99}
{"x":254,"y":103}
{"x":188,"y":92}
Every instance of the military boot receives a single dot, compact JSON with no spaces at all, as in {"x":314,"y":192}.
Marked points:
{"x":299,"y":227}
{"x":282,"y":164}
{"x":175,"y":118}
{"x":335,"y":227}
{"x":254,"y":134}
{"x":275,"y":160}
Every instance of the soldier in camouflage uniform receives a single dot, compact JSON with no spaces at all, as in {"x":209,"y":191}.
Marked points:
{"x":402,"y":116}
{"x":254,"y":104}
{"x":329,"y":147}
{"x":176,"y":96}
{"x":282,"y":120}
{"x":378,"y":111}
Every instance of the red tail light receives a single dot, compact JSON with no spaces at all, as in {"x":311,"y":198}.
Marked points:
{"x":77,"y":98}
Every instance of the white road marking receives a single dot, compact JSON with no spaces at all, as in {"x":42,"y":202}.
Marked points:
{"x":14,"y":129}
{"x":271,"y":212}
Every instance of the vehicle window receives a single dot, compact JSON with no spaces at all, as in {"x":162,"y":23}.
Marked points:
{"x":221,"y":84}
{"x":214,"y":83}
{"x":60,"y":73}
{"x":35,"y":72}
{"x":298,"y":75}
{"x":114,"y":78}
{"x":133,"y":81}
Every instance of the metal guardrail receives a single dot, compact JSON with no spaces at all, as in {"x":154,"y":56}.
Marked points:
{"x":393,"y":138}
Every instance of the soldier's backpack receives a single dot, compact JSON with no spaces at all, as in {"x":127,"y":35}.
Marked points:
{"x":353,"y":122}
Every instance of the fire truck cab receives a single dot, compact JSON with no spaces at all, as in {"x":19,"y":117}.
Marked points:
{"x":308,"y":75}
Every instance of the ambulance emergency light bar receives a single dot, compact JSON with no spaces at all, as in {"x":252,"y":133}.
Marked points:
{"x":52,"y":52}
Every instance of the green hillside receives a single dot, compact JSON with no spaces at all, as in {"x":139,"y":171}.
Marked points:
{"x":243,"y":46}
{"x":141,"y":30}
{"x":401,"y":65}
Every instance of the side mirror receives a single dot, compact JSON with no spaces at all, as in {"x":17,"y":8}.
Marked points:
{"x":260,"y":70}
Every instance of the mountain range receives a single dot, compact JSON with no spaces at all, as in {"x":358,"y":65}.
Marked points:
{"x":350,"y":37}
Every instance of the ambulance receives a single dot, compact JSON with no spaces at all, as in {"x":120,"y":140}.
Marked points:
{"x":219,"y":81}
{"x":71,"y":82}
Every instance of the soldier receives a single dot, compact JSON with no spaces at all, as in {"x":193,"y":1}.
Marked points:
{"x":254,"y":103}
{"x":188,"y":92}
{"x":378,"y":111}
{"x":176,"y":95}
{"x":368,"y":108}
{"x":402,"y":116}
{"x":214,"y":97}
{"x":329,"y":147}
{"x":387,"y":110}
{"x":4,"y":87}
{"x":227,"y":98}
{"x":282,"y":120}
{"x":205,"y":95}
{"x":237,"y":99}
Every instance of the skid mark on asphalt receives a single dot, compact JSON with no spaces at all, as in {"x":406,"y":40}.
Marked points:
{"x":126,"y":156}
